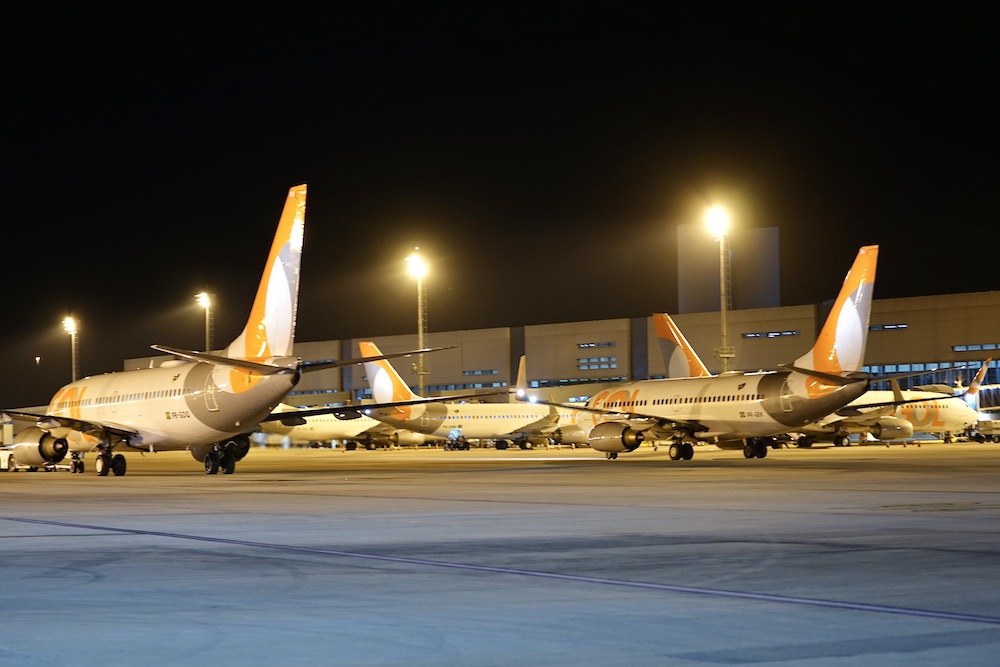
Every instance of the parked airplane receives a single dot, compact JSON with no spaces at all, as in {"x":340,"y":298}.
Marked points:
{"x":362,"y":430}
{"x":875,"y":413}
{"x":204,"y":403}
{"x":885,"y":414}
{"x":742,"y":409}
{"x":524,"y":424}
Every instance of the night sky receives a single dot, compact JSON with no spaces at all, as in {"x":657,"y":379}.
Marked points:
{"x":542,"y":160}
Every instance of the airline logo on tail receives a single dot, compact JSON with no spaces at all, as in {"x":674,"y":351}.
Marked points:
{"x":680,"y":358}
{"x":270,"y":328}
{"x":840,"y":347}
{"x":386,"y":384}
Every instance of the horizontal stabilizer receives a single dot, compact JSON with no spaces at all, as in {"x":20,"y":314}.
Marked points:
{"x":263,"y":369}
{"x":355,"y":411}
{"x":308,"y":366}
{"x":850,"y":378}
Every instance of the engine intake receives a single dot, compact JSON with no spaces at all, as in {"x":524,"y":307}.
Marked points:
{"x":892,"y":428}
{"x":615,"y":437}
{"x":34,"y":447}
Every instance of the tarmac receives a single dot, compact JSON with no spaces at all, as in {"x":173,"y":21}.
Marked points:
{"x":886,"y":555}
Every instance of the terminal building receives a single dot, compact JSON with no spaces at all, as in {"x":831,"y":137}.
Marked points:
{"x":944,"y":339}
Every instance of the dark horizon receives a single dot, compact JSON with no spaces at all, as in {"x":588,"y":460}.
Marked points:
{"x":542,"y":164}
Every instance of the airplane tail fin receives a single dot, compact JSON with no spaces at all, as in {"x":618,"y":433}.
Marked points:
{"x":978,"y":379}
{"x":386,"y":384}
{"x":840,"y":348}
{"x":521,"y":386}
{"x":270,"y":329}
{"x":679,"y":357}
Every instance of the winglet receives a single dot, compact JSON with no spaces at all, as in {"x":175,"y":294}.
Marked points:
{"x":840,"y":347}
{"x":679,"y":357}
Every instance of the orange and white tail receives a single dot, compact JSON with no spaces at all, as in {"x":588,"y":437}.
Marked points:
{"x":977,"y":381}
{"x":840,"y":348}
{"x":270,"y":329}
{"x":386,"y":384}
{"x":678,"y":356}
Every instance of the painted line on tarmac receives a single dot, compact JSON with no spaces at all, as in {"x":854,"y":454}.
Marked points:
{"x":673,"y":588}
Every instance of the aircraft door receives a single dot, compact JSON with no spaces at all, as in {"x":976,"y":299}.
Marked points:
{"x":786,"y":396}
{"x":211,"y":402}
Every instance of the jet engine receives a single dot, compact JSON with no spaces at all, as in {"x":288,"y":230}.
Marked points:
{"x":408,"y":438}
{"x":570,"y":435}
{"x":892,"y":428}
{"x":615,"y":437}
{"x":35,"y":448}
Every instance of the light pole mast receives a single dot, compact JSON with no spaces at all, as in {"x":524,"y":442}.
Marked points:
{"x":718,"y":223}
{"x":205,"y":301}
{"x":418,"y":269}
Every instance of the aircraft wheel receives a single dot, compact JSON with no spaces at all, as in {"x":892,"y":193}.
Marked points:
{"x":761,"y":450}
{"x":228,"y":463}
{"x":675,"y":452}
{"x":211,"y":463}
{"x":749,"y":451}
{"x":118,"y":465}
{"x":102,"y":465}
{"x":804,"y":442}
{"x":688,"y":453}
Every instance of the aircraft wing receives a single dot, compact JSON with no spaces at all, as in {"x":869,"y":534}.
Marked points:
{"x":639,"y":418}
{"x":355,"y":411}
{"x":50,"y":422}
{"x":543,"y":426}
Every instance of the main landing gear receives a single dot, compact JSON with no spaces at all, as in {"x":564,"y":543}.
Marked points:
{"x":106,"y":463}
{"x":755,"y":448}
{"x":216,"y":461}
{"x":680,"y":450}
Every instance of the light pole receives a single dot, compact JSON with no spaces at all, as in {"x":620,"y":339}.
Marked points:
{"x":418,"y":269}
{"x":718,"y":223}
{"x":205,"y":301}
{"x":70,"y":325}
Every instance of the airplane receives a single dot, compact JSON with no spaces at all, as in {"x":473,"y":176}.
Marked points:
{"x":877,"y":413}
{"x":744,"y":410}
{"x":885,"y":414}
{"x":363,"y":430}
{"x":204,"y":403}
{"x":524,"y":424}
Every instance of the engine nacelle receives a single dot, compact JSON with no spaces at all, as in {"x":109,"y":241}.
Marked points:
{"x":408,"y":438}
{"x":570,"y":435}
{"x":35,"y":448}
{"x":892,"y":428}
{"x":615,"y":437}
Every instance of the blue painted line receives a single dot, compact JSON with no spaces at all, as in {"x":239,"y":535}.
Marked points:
{"x":673,"y":588}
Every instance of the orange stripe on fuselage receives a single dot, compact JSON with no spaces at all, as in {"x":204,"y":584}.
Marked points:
{"x":607,"y":399}
{"x":71,"y":396}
